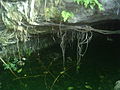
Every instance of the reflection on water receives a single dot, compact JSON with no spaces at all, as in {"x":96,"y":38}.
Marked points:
{"x":43,"y":70}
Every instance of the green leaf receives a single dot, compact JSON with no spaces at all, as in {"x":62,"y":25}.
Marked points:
{"x":66,"y":15}
{"x":6,"y":66}
{"x":12,"y":65}
{"x":19,"y":71}
{"x":70,"y":88}
{"x":88,"y":87}
{"x":90,"y":3}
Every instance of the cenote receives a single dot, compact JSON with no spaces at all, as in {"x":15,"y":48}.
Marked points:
{"x":59,"y":45}
{"x":43,"y":70}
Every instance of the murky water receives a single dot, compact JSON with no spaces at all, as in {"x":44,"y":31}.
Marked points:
{"x":99,"y":68}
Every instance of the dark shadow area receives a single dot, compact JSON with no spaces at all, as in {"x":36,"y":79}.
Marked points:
{"x":107,"y":25}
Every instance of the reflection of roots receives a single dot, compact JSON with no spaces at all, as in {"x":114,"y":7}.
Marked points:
{"x":82,"y":39}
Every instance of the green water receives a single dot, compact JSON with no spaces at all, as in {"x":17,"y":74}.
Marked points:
{"x":99,"y":69}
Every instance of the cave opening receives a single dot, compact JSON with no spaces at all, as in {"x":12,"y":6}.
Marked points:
{"x":105,"y":48}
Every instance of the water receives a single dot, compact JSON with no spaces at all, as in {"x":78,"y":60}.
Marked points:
{"x":99,"y":68}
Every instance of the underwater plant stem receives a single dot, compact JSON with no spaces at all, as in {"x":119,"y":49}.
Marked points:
{"x":24,"y":77}
{"x":13,"y":73}
{"x":61,"y":73}
{"x":3,"y":61}
{"x":55,"y":81}
{"x":62,"y":45}
{"x":9,"y":68}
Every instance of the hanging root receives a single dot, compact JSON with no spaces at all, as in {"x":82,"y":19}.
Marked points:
{"x":63,"y":45}
{"x":82,"y":38}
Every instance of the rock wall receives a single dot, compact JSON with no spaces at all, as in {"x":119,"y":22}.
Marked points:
{"x":83,"y":15}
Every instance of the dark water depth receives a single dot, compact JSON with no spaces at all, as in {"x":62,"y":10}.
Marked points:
{"x":99,"y":68}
